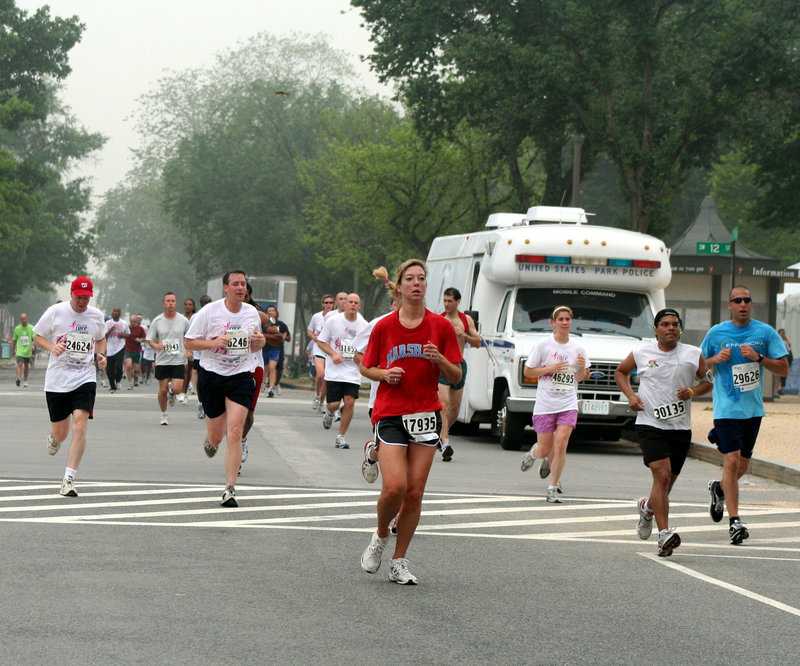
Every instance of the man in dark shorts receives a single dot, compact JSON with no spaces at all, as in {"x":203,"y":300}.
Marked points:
{"x":228,"y":332}
{"x":667,"y":370}
{"x":273,"y":354}
{"x":739,"y":350}
{"x":75,"y":335}
{"x":133,"y":352}
{"x":22,"y":348}
{"x":165,"y":335}
{"x":450,"y":394}
{"x":342,"y":375}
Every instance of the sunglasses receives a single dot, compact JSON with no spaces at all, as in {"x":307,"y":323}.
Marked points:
{"x":327,"y":302}
{"x":741,"y":299}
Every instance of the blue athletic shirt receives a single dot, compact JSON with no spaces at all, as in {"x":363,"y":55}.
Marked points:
{"x":730,"y":401}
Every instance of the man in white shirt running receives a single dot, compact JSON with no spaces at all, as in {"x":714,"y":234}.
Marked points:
{"x":116,"y":331}
{"x":75,"y":335}
{"x":342,"y":375}
{"x":228,"y":332}
{"x":667,"y":370}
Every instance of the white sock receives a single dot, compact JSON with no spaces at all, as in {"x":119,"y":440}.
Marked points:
{"x":163,"y":413}
{"x":646,"y":508}
{"x":69,"y":472}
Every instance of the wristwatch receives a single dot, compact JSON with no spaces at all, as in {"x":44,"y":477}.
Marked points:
{"x":760,"y":358}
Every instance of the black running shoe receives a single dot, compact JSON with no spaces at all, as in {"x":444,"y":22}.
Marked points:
{"x":447,"y":453}
{"x":717,"y":505}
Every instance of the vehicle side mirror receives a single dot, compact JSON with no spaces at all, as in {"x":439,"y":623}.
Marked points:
{"x":474,"y":315}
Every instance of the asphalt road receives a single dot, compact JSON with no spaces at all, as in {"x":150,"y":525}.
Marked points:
{"x":145,"y":567}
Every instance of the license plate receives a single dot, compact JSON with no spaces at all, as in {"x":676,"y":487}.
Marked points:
{"x":594,"y":407}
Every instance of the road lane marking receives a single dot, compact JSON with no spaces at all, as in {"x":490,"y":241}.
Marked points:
{"x":721,"y":583}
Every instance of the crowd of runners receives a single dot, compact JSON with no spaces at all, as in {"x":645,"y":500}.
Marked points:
{"x":227,"y":350}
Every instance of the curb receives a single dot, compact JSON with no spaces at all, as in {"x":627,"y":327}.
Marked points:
{"x":764,"y":467}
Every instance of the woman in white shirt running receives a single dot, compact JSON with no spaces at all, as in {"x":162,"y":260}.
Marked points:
{"x":560,"y":364}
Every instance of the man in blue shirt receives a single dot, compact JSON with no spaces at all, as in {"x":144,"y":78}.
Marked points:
{"x":739,"y":349}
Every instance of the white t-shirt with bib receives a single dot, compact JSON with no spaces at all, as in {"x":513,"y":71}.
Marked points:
{"x":115,"y":342}
{"x":661,"y":374}
{"x":315,"y":326}
{"x":80,"y":331}
{"x":360,"y":343}
{"x":556,"y":392}
{"x":339,"y":333}
{"x":215,"y":319}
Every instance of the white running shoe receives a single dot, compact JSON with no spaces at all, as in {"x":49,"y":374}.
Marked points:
{"x":327,"y":420}
{"x":25,"y":384}
{"x":52,"y":445}
{"x":315,"y":404}
{"x":170,"y":397}
{"x":399,"y":572}
{"x":337,"y":415}
{"x":68,"y":487}
{"x":668,"y":540}
{"x":278,"y":389}
{"x":229,"y":498}
{"x":527,"y":462}
{"x":200,"y":413}
{"x":244,"y":449}
{"x":181,"y":398}
{"x":164,"y":420}
{"x":369,"y":467}
{"x":645,"y":525}
{"x":544,"y":468}
{"x":341,"y":443}
{"x":371,"y":557}
{"x":552,"y":496}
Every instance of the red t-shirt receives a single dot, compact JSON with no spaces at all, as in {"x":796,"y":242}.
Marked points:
{"x":392,"y":344}
{"x":131,"y":344}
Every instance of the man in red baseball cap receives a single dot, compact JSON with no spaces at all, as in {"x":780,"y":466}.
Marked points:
{"x":75,"y":335}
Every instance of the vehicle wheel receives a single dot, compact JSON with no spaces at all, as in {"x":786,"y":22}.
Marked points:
{"x":511,"y":426}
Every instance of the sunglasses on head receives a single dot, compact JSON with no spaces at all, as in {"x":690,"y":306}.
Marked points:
{"x":741,"y":299}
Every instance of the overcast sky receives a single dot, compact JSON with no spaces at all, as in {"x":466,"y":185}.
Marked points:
{"x":128,"y":44}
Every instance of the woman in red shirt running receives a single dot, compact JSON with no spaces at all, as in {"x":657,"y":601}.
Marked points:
{"x":406,"y":353}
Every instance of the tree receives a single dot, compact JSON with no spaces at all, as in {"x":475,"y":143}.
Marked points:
{"x":230,"y":180}
{"x":383,"y":193}
{"x":41,"y":237}
{"x":651,"y":84}
{"x":738,"y":192}
{"x":144,"y":254}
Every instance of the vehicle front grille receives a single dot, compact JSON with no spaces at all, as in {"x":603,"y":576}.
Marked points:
{"x":605,"y":382}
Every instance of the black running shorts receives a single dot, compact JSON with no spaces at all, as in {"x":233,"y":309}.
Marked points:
{"x":61,"y":405}
{"x":214,"y":389}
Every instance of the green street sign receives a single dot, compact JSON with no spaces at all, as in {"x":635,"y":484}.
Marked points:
{"x":713,"y":248}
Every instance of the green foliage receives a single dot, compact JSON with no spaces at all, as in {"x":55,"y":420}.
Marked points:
{"x":41,"y":237}
{"x":144,"y":254}
{"x":379,"y":194}
{"x":737,"y":192}
{"x":650,"y":84}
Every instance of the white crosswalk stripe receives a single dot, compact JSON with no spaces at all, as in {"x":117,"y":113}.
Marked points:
{"x":349,"y":510}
